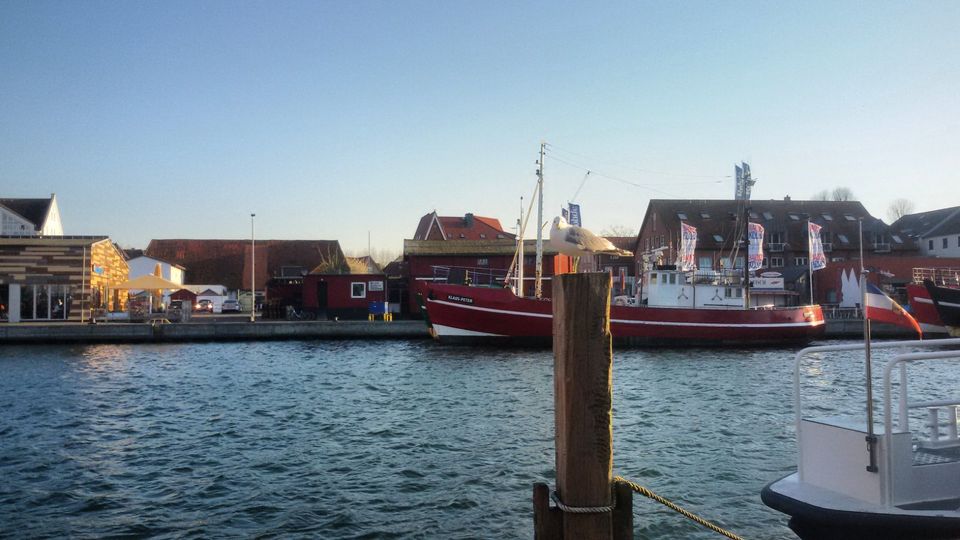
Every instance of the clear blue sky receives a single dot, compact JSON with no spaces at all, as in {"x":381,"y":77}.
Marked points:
{"x":332,"y":119}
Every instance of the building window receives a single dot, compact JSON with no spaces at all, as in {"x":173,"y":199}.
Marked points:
{"x":827,"y":217}
{"x":738,"y":264}
{"x":776,"y":262}
{"x":358,"y":290}
{"x":705,"y":215}
{"x":706,"y":263}
{"x":799,"y":261}
{"x":945,"y":243}
{"x":848,"y":217}
{"x":896,"y":239}
{"x":837,"y":259}
{"x":718,"y":238}
{"x":767,"y":215}
{"x":930,"y":245}
{"x":483,"y":262}
{"x":776,"y":237}
{"x":482,"y":236}
{"x":682,"y":215}
{"x":843,"y":238}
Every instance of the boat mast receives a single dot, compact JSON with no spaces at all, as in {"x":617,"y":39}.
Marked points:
{"x":520,"y":251}
{"x":538,"y":290}
{"x":746,"y":257}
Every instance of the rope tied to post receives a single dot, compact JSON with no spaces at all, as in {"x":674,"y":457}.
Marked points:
{"x":676,"y":508}
{"x":582,"y":509}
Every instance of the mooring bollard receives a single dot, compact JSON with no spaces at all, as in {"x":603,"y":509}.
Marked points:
{"x":583,"y":398}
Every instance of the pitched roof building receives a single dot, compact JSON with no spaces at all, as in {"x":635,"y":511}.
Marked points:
{"x":785,"y":233}
{"x":228,"y":261}
{"x":30,"y":217}
{"x":937,"y":231}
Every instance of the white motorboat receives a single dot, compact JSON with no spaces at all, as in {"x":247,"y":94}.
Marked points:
{"x":898,"y":477}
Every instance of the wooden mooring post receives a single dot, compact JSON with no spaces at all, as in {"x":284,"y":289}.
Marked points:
{"x":583,"y":399}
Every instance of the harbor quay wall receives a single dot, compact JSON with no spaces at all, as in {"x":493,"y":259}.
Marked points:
{"x":208,"y":331}
{"x":51,"y":333}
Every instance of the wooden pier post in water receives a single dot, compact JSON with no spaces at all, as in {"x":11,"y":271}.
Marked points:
{"x":583,"y":397}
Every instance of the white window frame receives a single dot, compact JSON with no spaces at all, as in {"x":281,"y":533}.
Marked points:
{"x":353,"y":285}
{"x":776,"y":262}
{"x":800,"y":261}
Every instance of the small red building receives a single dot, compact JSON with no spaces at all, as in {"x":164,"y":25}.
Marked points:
{"x":471,"y":248}
{"x":344,"y":289}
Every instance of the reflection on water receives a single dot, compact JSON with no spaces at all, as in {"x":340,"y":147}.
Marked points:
{"x":382,"y":439}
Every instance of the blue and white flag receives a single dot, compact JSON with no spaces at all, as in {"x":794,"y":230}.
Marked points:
{"x":818,"y":259}
{"x":755,"y":250}
{"x":574,"y":215}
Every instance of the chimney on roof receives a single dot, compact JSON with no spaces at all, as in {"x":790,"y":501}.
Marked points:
{"x":468,"y":220}
{"x":786,"y":198}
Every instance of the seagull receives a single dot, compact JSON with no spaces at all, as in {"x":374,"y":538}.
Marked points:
{"x":577,"y":242}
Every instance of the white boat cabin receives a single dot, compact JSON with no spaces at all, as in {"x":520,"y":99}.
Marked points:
{"x":668,"y":287}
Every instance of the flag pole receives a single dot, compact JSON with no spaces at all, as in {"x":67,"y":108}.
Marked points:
{"x":810,"y":258}
{"x":871,"y":437}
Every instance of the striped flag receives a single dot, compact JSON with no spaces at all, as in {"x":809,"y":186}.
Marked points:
{"x":818,"y":259}
{"x":881,"y":307}
{"x":688,"y":245}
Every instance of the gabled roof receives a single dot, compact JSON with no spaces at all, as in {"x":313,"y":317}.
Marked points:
{"x":33,"y":210}
{"x":228,"y":261}
{"x":716,"y":220}
{"x":942,"y":222}
{"x":468,"y":227}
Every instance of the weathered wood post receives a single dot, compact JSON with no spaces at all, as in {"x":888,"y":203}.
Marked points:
{"x":583,"y":374}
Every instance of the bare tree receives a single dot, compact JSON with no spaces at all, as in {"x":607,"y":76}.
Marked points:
{"x":899,"y":208}
{"x":842,"y":194}
{"x":618,"y":230}
{"x":823,"y":195}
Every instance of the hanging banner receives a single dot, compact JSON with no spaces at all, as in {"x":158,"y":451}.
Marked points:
{"x":688,"y":245}
{"x":755,"y":252}
{"x":818,"y":260}
{"x":574,"y":215}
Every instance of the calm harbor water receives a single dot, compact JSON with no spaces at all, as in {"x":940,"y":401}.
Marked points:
{"x":353,"y":439}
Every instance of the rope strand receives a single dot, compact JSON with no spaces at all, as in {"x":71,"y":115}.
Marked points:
{"x":651,"y":495}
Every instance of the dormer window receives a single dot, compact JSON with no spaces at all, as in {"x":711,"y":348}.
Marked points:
{"x":482,"y":235}
{"x":827,"y":217}
{"x":718,"y":238}
{"x":767,"y":215}
{"x":682,"y":215}
{"x":795,"y":217}
{"x":705,"y":215}
{"x":843,"y":238}
{"x":849,"y":217}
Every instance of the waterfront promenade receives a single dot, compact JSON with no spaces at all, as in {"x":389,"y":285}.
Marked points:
{"x":219,"y":330}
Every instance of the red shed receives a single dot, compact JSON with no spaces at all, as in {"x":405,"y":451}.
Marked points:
{"x":344,"y":290}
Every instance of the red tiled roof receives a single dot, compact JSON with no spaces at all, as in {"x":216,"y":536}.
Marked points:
{"x":468,"y":227}
{"x":227,"y":262}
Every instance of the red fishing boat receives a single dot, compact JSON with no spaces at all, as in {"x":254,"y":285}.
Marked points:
{"x":707,"y":309}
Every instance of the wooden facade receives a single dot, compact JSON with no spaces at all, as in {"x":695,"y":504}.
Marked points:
{"x":60,"y":278}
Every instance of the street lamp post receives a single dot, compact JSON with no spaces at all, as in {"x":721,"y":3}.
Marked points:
{"x":253,"y":273}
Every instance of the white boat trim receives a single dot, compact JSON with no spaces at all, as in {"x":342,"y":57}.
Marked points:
{"x":443,"y":330}
{"x":921,"y":300}
{"x":491,"y":310}
{"x":624,"y":321}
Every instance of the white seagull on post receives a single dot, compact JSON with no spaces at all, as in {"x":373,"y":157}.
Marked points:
{"x":577,"y":242}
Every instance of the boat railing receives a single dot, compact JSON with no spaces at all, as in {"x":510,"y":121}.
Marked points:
{"x":933,"y":437}
{"x":727,"y":278}
{"x":949,"y":277}
{"x":835,"y":312}
{"x":463,"y":275}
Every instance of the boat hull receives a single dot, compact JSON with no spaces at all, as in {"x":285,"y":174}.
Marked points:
{"x":947,"y":302}
{"x":817,"y":514}
{"x":923,"y":310}
{"x":480,"y":314}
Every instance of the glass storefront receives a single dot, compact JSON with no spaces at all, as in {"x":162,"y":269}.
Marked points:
{"x":45,"y":302}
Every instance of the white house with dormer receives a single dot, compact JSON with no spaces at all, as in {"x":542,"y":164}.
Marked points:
{"x":30,"y":217}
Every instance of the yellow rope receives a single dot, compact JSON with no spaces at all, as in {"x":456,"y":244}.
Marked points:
{"x":651,"y":495}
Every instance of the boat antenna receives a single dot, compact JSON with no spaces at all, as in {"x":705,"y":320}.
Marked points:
{"x":538,"y":288}
{"x":871,"y":437}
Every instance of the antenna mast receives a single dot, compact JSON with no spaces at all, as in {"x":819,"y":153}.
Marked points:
{"x":538,"y":290}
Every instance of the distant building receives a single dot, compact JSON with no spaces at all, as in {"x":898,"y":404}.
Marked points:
{"x":469,"y":248}
{"x":623,"y":269}
{"x":143,"y":265}
{"x":30,"y":217}
{"x":58,"y":278}
{"x":719,"y":242}
{"x":937,"y":232}
{"x":228,"y":262}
